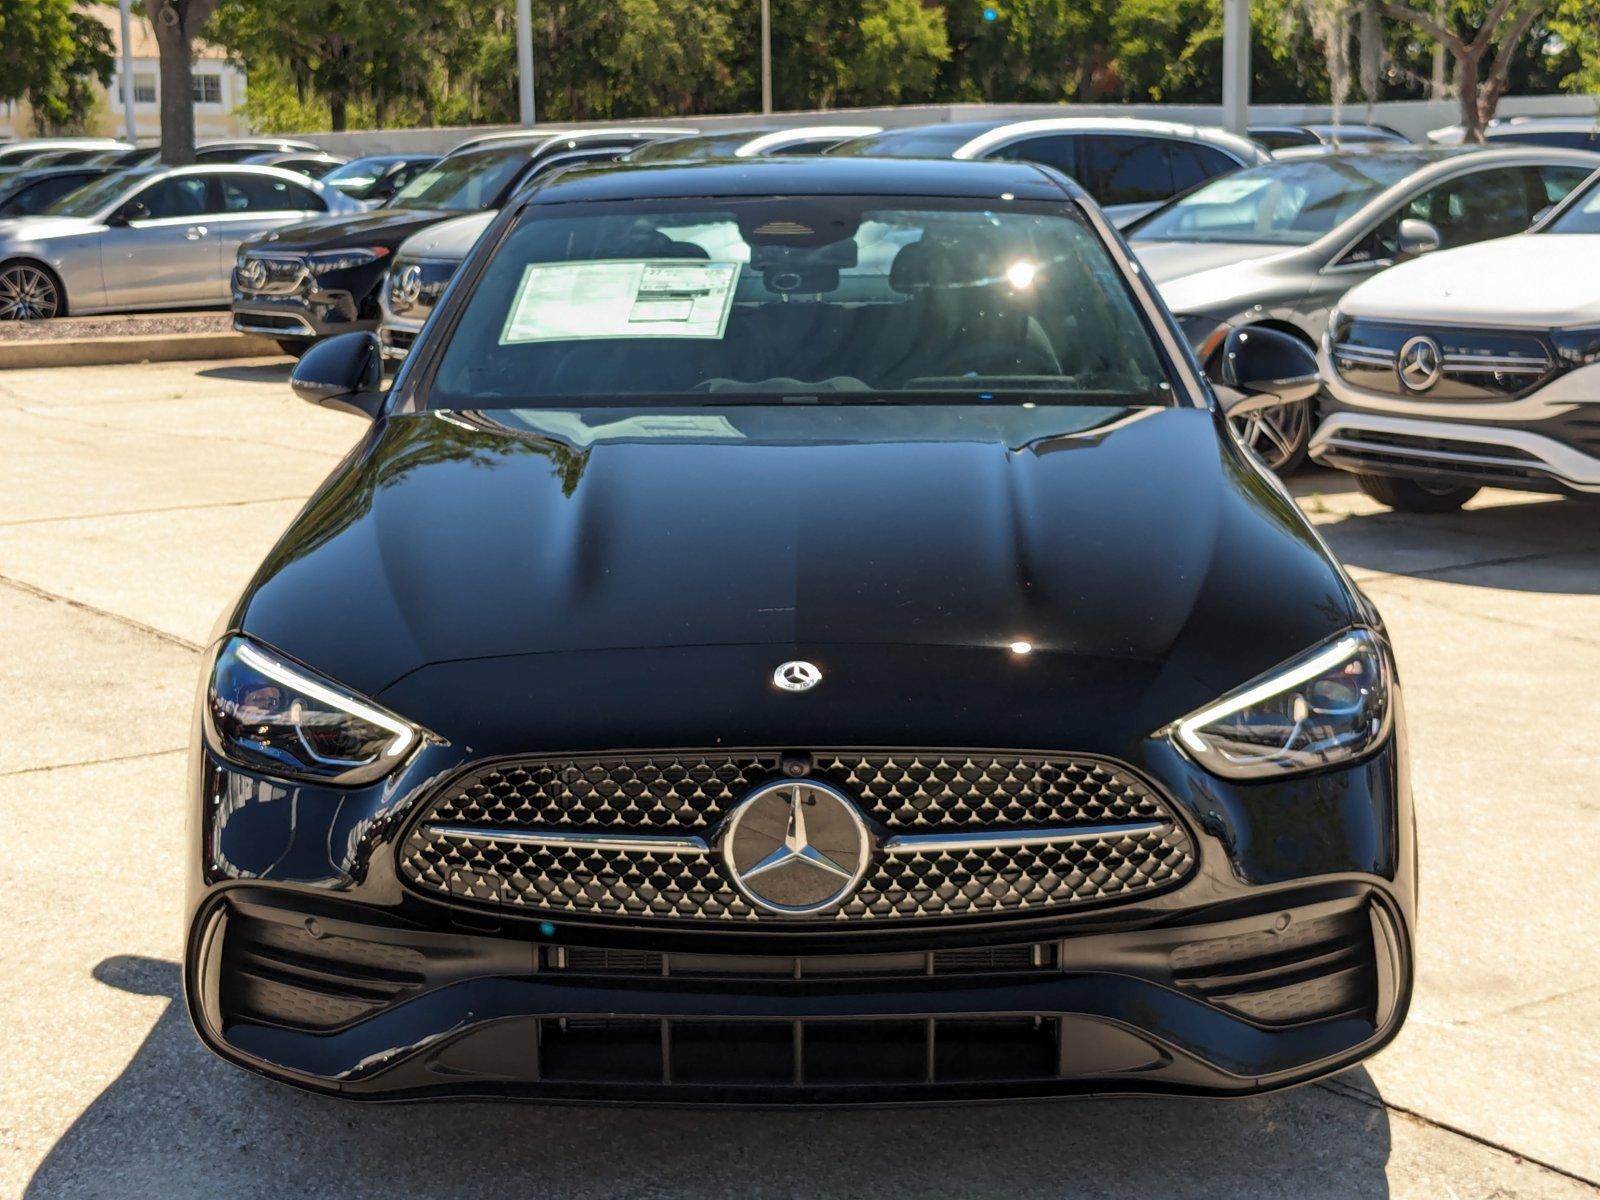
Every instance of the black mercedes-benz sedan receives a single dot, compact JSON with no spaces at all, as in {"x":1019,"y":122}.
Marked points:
{"x":800,"y":632}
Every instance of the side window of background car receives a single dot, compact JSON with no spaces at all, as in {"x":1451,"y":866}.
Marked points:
{"x":1118,"y":169}
{"x":181,"y":196}
{"x":1469,"y":208}
{"x":260,"y":193}
{"x":1193,"y":164}
{"x":1058,"y":150}
{"x":1553,"y":183}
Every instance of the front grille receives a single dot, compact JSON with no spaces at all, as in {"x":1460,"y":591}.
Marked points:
{"x":1313,"y":970}
{"x":280,"y":274}
{"x":1477,"y":364}
{"x":911,"y":789}
{"x":282,"y":974}
{"x":1071,"y":832}
{"x":645,"y":964}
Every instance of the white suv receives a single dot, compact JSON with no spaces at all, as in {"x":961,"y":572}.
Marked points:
{"x":1471,"y":368}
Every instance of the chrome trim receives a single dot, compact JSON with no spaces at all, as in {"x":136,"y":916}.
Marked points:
{"x":576,"y":840}
{"x":1342,"y":432}
{"x":242,"y":323}
{"x":917,"y":843}
{"x":1369,"y":355}
{"x":1452,"y":363}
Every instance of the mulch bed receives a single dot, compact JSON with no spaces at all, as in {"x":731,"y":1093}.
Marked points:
{"x":115,"y":326}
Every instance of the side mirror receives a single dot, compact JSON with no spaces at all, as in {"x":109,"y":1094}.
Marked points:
{"x":1263,"y":368}
{"x":134,"y":210}
{"x":344,"y":372}
{"x":1417,"y":237}
{"x":1539,"y":217}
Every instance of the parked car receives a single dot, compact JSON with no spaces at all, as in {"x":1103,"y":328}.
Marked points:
{"x":373,"y":178}
{"x":1278,"y":245}
{"x":422,"y":267}
{"x":1473,"y":367}
{"x":1284,"y":137}
{"x":72,"y":158}
{"x":153,"y":237}
{"x":752,"y":143}
{"x":574,"y":137}
{"x":604,"y":728}
{"x":16,"y":154}
{"x":32,"y":190}
{"x":1128,"y":165}
{"x":304,"y":283}
{"x":239,"y":149}
{"x":1573,"y":133}
{"x":302,"y":162}
{"x":137,"y":156}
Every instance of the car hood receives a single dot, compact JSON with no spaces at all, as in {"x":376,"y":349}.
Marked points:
{"x":1164,"y":261}
{"x":381,"y":226}
{"x":1537,"y":281}
{"x":448,"y":239}
{"x":1131,"y":546}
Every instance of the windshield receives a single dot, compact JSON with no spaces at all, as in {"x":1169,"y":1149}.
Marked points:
{"x":357,"y":173}
{"x":1582,"y":215}
{"x":89,"y":201}
{"x":463,"y":182}
{"x":705,"y":145}
{"x":926,"y":141}
{"x":1289,"y":203}
{"x":808,"y":300}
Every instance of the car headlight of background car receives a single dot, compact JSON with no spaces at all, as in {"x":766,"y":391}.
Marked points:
{"x":281,"y":719}
{"x":1324,"y":708}
{"x":1204,"y":334}
{"x":1577,"y":347}
{"x":325,"y":262}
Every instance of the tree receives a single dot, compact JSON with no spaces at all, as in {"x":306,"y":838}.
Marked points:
{"x":177,"y":24}
{"x":49,"y":52}
{"x":1499,"y":28}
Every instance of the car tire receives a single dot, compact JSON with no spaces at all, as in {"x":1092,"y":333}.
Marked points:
{"x":294,"y":346}
{"x":1410,"y":495}
{"x":30,"y":291}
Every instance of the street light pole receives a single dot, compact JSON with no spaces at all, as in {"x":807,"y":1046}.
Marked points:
{"x":1236,"y":65}
{"x":766,"y":56}
{"x":524,"y":61}
{"x":129,"y":122}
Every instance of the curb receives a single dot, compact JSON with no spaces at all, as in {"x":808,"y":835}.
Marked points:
{"x":155,"y":347}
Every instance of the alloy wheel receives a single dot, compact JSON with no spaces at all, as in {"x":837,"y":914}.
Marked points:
{"x":1278,"y":435}
{"x":27,"y":294}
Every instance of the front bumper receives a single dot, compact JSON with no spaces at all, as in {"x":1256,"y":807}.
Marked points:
{"x":1286,"y":955}
{"x":1545,"y":441}
{"x":299,"y":305}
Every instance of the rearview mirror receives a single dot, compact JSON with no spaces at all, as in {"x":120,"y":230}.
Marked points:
{"x":344,"y":372}
{"x":1262,"y":368}
{"x":1417,"y":237}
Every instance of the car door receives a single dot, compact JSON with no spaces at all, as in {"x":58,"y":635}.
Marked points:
{"x":157,"y":248}
{"x":253,"y":203}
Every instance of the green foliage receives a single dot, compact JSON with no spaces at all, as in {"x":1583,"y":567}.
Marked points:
{"x":313,"y":63}
{"x":50,"y":53}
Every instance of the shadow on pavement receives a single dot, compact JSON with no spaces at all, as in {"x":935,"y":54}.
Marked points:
{"x":179,"y":1123}
{"x":272,"y":372}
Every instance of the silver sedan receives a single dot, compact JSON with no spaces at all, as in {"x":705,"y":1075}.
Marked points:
{"x":152,"y":237}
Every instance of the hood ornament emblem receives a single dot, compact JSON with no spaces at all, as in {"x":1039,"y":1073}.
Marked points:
{"x":797,"y":676}
{"x":1420,"y":363}
{"x":796,"y":847}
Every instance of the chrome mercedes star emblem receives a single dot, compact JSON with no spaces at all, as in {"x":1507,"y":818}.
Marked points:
{"x":406,"y":287}
{"x":1420,"y":363}
{"x":796,"y":847}
{"x":797,"y":676}
{"x":253,"y":274}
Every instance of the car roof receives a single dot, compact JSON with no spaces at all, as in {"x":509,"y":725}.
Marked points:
{"x":819,"y":176}
{"x":1006,"y":130}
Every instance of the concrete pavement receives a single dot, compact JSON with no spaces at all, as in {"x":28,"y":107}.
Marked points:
{"x":134,"y":502}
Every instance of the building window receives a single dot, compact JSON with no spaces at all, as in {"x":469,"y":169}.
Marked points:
{"x":144,"y":88}
{"x":208,"y":89}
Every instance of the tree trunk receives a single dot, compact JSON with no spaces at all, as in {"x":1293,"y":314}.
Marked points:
{"x":338,"y":112}
{"x":176,"y":23}
{"x":1467,"y":92}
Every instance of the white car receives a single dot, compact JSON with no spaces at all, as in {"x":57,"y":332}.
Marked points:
{"x":152,"y":237}
{"x":422,"y":267}
{"x":1473,"y":367}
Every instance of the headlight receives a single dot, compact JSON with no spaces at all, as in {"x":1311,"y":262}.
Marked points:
{"x":1326,"y":707}
{"x":324,"y":261}
{"x":1577,"y":347}
{"x":282,"y":720}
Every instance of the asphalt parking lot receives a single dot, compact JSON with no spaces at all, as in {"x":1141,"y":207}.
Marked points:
{"x":136,"y":500}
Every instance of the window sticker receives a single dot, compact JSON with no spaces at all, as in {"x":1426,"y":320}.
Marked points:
{"x":639,"y":298}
